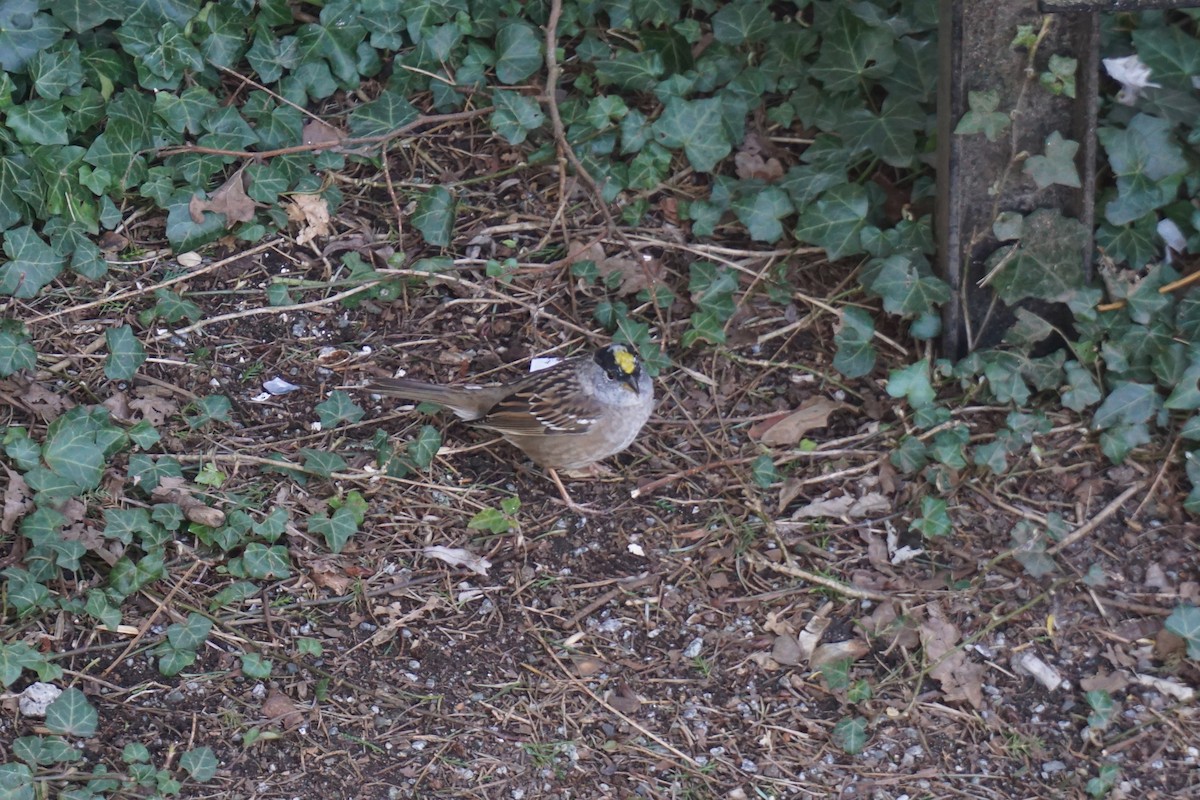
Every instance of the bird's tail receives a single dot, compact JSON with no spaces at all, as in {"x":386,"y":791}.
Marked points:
{"x":462,"y":400}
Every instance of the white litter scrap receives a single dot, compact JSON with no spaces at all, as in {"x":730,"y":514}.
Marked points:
{"x":1132,"y":74}
{"x":458,"y":557}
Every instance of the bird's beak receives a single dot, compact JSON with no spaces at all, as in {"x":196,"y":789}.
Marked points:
{"x":630,"y":382}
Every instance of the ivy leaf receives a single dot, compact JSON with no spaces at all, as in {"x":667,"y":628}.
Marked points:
{"x":266,"y":562}
{"x":850,"y":734}
{"x":321,"y":462}
{"x":422,"y":449}
{"x":515,"y":115}
{"x":697,"y":127}
{"x":762,"y":211}
{"x":213,"y":408}
{"x":855,"y":355}
{"x":835,"y":221}
{"x":72,"y":715}
{"x":1184,"y":622}
{"x":1171,"y":54}
{"x":338,"y":408}
{"x":1186,"y":396}
{"x":16,"y":349}
{"x":633,"y":71}
{"x":518,"y":52}
{"x":434,"y":216}
{"x":983,"y":116}
{"x":1129,"y":404}
{"x":1135,"y":243}
{"x":742,"y":21}
{"x":32,"y":264}
{"x":125,"y":354}
{"x":1080,"y":390}
{"x":671,"y":47}
{"x":934,"y":519}
{"x":763,"y":471}
{"x":852,"y":52}
{"x":890,"y":135}
{"x":337,"y":529}
{"x":25,"y":31}
{"x":912,"y":383}
{"x":387,"y":112}
{"x":1143,"y":155}
{"x":1047,"y":263}
{"x":907,"y":286}
{"x":334,"y":45}
{"x":201,"y":764}
{"x":1057,"y":166}
{"x":57,"y":70}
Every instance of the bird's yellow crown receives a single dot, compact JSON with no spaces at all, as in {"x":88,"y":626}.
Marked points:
{"x":626,"y":361}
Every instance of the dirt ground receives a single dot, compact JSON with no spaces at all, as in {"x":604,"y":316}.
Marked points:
{"x":708,"y":638}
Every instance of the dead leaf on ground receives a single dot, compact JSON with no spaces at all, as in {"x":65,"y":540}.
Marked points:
{"x":789,"y":428}
{"x":752,"y":166}
{"x":319,"y":132}
{"x":587,"y":666}
{"x":624,"y":700}
{"x":43,"y":402}
{"x":786,"y":650}
{"x":835,"y":507}
{"x":154,"y":404}
{"x":636,"y":273}
{"x":887,"y":623}
{"x":230,"y":200}
{"x":961,"y":678}
{"x":174,"y":490}
{"x":832,"y":652}
{"x":458,"y":557}
{"x":18,"y":501}
{"x":282,"y":709}
{"x":329,"y":577}
{"x":311,"y":213}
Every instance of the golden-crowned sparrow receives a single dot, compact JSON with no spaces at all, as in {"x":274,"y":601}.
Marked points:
{"x":567,"y":416}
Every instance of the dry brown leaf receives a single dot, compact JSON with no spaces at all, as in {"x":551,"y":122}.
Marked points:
{"x":961,"y":678}
{"x":887,"y":623}
{"x":48,"y":405}
{"x":789,"y":428}
{"x":230,"y":200}
{"x":835,"y":507}
{"x":635,"y":274}
{"x":318,"y":132}
{"x":749,"y":163}
{"x":624,"y":700}
{"x":786,"y":650}
{"x":586,"y":666}
{"x":1111,"y":682}
{"x":112,"y":242}
{"x":18,"y":501}
{"x":282,"y":709}
{"x":117,"y":404}
{"x":154,"y":404}
{"x":788,"y":492}
{"x":195,"y":510}
{"x":831,"y":652}
{"x":311,"y":213}
{"x":338,"y":582}
{"x":458,"y":557}
{"x":752,"y":166}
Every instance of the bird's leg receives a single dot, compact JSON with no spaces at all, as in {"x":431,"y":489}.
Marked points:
{"x":594,"y":471}
{"x":566,"y":497}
